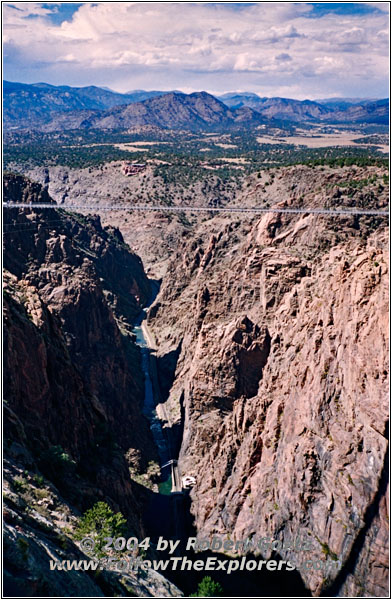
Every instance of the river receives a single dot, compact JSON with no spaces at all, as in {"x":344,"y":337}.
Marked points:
{"x":161,"y":439}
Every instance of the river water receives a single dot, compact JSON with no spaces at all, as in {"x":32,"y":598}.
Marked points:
{"x":149,"y":405}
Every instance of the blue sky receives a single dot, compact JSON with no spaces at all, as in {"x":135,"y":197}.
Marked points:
{"x":342,"y":8}
{"x":63,"y":12}
{"x":300,"y":50}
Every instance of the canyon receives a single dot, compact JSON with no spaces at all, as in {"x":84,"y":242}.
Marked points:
{"x":279,"y":326}
{"x":271,"y":356}
{"x":74,"y":392}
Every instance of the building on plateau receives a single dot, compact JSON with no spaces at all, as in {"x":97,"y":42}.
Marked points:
{"x":129,"y":168}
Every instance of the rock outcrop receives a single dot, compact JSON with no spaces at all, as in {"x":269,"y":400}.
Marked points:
{"x":282,"y":378}
{"x":73,"y":391}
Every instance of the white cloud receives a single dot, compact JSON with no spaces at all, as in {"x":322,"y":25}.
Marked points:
{"x":264,"y":47}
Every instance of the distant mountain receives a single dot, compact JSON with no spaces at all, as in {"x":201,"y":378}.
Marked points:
{"x":173,"y":110}
{"x":140,"y":95}
{"x":232,"y":97}
{"x":26,"y":105}
{"x":341,"y":103}
{"x":276,"y":108}
{"x":366,"y":112}
{"x":42,"y":106}
{"x":337,"y":110}
{"x":238,"y":99}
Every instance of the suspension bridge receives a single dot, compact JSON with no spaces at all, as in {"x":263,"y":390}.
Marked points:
{"x":198,"y":209}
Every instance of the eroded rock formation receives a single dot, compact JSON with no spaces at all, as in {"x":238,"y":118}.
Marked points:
{"x":73,"y":392}
{"x":282,"y":378}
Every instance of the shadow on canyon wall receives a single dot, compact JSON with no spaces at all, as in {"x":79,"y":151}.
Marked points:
{"x":371,"y":513}
{"x":170,"y":517}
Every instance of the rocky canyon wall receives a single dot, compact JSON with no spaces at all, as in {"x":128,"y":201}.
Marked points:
{"x":73,"y":391}
{"x":282,"y":323}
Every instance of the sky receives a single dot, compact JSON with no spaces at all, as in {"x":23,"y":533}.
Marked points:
{"x":296,"y":50}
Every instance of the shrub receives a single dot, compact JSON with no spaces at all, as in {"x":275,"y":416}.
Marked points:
{"x":208,"y":588}
{"x":57,"y":463}
{"x":327,"y":552}
{"x":40,"y":494}
{"x":100,"y":522}
{"x":19,"y":484}
{"x":39,"y":480}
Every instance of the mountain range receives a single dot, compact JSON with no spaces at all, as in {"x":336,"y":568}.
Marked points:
{"x":337,"y":102}
{"x":175,"y":110}
{"x":46,"y":107}
{"x":55,"y":109}
{"x":333,"y":110}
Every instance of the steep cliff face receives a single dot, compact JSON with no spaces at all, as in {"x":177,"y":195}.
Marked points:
{"x":73,"y":384}
{"x":72,"y":292}
{"x":153,"y":235}
{"x":282,"y":380}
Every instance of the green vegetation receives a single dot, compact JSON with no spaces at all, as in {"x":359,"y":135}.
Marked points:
{"x":328,"y":552}
{"x":358,"y":183}
{"x":39,"y":480}
{"x":40,"y":494}
{"x":100,"y":522}
{"x":208,"y":588}
{"x":19,"y":484}
{"x":57,"y":465}
{"x":347,"y":157}
{"x":182,"y":157}
{"x":150,"y":478}
{"x":23,"y":547}
{"x":72,"y":149}
{"x":60,"y":460}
